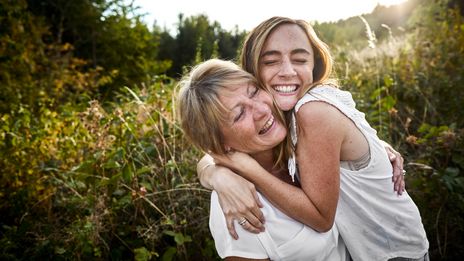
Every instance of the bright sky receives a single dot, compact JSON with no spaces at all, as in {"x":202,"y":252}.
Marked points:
{"x":249,"y":13}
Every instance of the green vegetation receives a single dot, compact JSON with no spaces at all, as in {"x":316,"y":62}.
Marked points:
{"x":94,"y":166}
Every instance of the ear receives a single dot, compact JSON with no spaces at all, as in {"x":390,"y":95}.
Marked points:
{"x":227,"y":148}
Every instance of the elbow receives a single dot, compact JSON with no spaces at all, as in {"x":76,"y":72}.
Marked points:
{"x":324,"y":224}
{"x":326,"y":227}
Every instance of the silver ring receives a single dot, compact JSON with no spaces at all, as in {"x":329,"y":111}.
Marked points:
{"x":404,"y":172}
{"x":242,"y":221}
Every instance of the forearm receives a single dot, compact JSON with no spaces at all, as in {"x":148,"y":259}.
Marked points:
{"x":291,"y":200}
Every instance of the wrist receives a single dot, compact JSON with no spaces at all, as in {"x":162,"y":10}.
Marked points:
{"x":205,"y":175}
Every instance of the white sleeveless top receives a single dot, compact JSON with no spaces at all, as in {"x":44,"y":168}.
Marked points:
{"x":374,"y":222}
{"x":283,"y":238}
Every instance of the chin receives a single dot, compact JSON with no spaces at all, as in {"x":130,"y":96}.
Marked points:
{"x":286,"y":105}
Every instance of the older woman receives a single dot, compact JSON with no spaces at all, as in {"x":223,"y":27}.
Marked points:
{"x":342,"y":166}
{"x":222,"y":109}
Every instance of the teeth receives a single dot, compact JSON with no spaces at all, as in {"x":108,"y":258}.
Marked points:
{"x":267,"y":125}
{"x":285,"y":88}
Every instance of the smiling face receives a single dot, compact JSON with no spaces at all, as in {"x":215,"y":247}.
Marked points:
{"x":286,"y":64}
{"x":251,"y":125}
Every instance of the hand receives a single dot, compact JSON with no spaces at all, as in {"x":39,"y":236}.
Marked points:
{"x":397,"y":163}
{"x":238,"y":199}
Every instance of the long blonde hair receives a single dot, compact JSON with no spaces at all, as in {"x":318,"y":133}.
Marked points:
{"x":256,"y":39}
{"x":253,"y":47}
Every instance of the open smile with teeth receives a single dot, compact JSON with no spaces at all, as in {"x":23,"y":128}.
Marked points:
{"x":285,"y":88}
{"x":267,"y":126}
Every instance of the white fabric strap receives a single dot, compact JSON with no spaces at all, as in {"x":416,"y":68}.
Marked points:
{"x":269,"y":245}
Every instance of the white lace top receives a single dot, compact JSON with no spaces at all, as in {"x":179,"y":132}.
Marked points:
{"x":374,"y":222}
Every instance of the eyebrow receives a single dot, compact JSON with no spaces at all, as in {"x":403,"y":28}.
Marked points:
{"x":238,"y":104}
{"x":275,"y":52}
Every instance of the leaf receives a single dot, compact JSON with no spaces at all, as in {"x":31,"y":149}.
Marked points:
{"x":142,"y":170}
{"x":169,"y":254}
{"x":111,"y":164}
{"x":60,"y":250}
{"x":127,"y":173}
{"x":388,"y":80}
{"x":169,"y":233}
{"x":181,"y":239}
{"x":142,"y":254}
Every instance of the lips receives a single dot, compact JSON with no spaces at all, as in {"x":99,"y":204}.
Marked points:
{"x":267,"y":125}
{"x":285,"y":88}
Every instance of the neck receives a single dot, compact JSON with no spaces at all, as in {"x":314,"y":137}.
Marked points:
{"x":266,"y":160}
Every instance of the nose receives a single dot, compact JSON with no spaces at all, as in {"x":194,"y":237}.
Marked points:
{"x":260,"y":110}
{"x":286,"y":68}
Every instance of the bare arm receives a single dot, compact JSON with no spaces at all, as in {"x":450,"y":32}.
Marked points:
{"x":321,"y":133}
{"x":205,"y":175}
{"x":237,"y":196}
{"x":290,"y":199}
{"x":314,"y":204}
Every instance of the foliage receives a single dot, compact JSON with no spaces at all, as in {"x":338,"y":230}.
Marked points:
{"x":350,"y":33}
{"x":110,"y":182}
{"x":94,"y":165}
{"x":197,"y":39}
{"x":411,"y":89}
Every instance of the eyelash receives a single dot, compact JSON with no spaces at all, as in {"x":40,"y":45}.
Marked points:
{"x":269,"y":62}
{"x":253,"y":94}
{"x":239,"y":115}
{"x":272,"y":62}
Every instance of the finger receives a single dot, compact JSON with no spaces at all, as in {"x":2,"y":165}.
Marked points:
{"x":391,"y":155}
{"x":399,"y":181}
{"x":254,"y":223}
{"x":260,"y":216}
{"x":258,"y":201}
{"x":400,"y":164}
{"x":249,"y":227}
{"x":231,"y":227}
{"x":396,"y":173}
{"x":399,"y":192}
{"x":257,"y":212}
{"x":398,"y":168}
{"x":401,"y":187}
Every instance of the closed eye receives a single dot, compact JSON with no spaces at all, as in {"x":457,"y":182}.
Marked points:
{"x":254,"y":93}
{"x":270,"y":62}
{"x":239,"y":116}
{"x":301,"y":61}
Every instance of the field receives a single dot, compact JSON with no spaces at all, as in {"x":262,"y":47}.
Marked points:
{"x":94,"y":164}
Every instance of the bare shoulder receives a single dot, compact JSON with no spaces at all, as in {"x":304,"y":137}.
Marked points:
{"x":319,"y":113}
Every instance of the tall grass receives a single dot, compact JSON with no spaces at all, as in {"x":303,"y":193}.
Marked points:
{"x":116,"y":180}
{"x":410,"y":89}
{"x":112,"y":181}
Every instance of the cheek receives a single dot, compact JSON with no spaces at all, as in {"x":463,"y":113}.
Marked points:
{"x":307,"y":75}
{"x":266,"y":76}
{"x":237,"y":137}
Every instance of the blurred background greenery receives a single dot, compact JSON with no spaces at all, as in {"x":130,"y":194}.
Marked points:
{"x":94,"y":166}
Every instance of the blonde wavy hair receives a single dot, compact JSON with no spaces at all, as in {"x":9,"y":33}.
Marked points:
{"x":251,"y":54}
{"x":254,"y":44}
{"x":200,"y":110}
